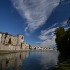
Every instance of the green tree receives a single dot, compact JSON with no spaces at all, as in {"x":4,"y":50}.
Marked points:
{"x":59,"y":32}
{"x":63,"y":39}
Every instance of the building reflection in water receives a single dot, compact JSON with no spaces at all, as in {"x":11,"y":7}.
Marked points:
{"x":33,"y":60}
{"x":12,"y":60}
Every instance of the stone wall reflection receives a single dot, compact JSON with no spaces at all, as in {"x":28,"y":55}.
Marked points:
{"x":12,"y":60}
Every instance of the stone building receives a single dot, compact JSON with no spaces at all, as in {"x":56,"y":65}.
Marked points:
{"x":20,"y":39}
{"x":25,"y":46}
{"x":13,"y":42}
{"x":6,"y":39}
{"x":0,"y":37}
{"x":3,"y":38}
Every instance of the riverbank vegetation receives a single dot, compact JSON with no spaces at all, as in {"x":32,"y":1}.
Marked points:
{"x":63,"y":46}
{"x":63,"y":39}
{"x":62,"y":66}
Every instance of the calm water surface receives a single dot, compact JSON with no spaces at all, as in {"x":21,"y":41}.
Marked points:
{"x":33,"y":60}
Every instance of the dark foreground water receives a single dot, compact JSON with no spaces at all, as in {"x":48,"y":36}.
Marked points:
{"x":33,"y":60}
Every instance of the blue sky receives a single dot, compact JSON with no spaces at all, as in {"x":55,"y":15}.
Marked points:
{"x":35,"y":19}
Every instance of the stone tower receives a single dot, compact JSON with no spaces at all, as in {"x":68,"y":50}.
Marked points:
{"x":20,"y":39}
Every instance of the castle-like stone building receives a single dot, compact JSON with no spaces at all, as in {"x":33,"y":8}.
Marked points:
{"x":10,"y":42}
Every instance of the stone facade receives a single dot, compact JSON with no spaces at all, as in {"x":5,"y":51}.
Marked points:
{"x":20,"y":39}
{"x":10,"y":42}
{"x":14,"y":40}
{"x":0,"y":37}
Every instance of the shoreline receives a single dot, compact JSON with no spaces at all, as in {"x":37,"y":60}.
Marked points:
{"x":15,"y":51}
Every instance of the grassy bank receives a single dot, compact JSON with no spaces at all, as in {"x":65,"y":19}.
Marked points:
{"x":62,"y":66}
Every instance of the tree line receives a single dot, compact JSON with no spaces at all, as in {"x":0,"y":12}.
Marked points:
{"x":63,"y":38}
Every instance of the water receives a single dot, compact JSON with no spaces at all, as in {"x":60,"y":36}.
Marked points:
{"x":33,"y":60}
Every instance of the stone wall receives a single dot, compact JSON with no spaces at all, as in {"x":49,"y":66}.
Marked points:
{"x":10,"y":42}
{"x":6,"y":47}
{"x":10,"y":47}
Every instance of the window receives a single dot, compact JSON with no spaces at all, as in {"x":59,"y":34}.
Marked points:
{"x":22,"y":37}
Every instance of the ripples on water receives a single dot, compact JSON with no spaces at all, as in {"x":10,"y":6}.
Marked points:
{"x":33,"y":60}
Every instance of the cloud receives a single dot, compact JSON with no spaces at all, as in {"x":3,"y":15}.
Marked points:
{"x":48,"y":42}
{"x":47,"y":37}
{"x":36,"y":12}
{"x":51,"y":61}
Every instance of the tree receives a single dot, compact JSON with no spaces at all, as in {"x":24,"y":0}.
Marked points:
{"x":68,"y":21}
{"x":59,"y":32}
{"x":63,"y":39}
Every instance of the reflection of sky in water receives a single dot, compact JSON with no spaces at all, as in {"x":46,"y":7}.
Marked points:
{"x":34,"y":60}
{"x":49,"y":59}
{"x":40,"y":60}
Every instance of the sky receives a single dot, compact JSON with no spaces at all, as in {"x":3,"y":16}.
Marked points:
{"x":35,"y":19}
